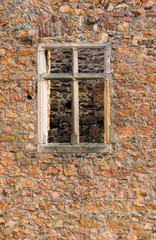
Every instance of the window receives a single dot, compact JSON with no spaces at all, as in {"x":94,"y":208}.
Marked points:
{"x":81,"y":75}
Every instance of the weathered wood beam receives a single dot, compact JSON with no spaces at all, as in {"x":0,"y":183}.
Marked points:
{"x":107,"y":55}
{"x":75,"y":101}
{"x":87,"y":76}
{"x":42,"y":99}
{"x":68,"y":76}
{"x":77,"y":45}
{"x":57,"y":76}
{"x":106,"y":112}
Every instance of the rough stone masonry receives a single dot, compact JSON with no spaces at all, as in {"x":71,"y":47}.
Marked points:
{"x":78,"y":196}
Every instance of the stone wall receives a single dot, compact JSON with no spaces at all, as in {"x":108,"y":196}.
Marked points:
{"x":78,"y":196}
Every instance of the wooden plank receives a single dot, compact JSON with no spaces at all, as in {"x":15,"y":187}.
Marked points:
{"x":42,"y":111}
{"x":107,"y":55}
{"x":106,"y":112}
{"x":41,"y":62}
{"x":86,"y":76}
{"x":75,"y":101}
{"x":48,"y":61}
{"x":75,"y":61}
{"x":57,"y":76}
{"x":42,"y":100}
{"x":67,"y":76}
{"x":100,"y":44}
{"x":48,"y":89}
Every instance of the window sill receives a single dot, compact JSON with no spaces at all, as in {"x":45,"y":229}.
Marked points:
{"x":77,"y":148}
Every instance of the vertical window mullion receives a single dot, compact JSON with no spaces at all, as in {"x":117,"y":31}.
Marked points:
{"x":48,"y":88}
{"x":42,"y":99}
{"x":107,"y":54}
{"x":75,"y":100}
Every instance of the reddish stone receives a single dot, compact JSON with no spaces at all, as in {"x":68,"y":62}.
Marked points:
{"x":55,"y":195}
{"x":52,"y":234}
{"x":98,"y":11}
{"x":69,"y":169}
{"x":93,"y":207}
{"x":144,"y":111}
{"x":5,"y":60}
{"x":79,"y":12}
{"x":151,"y":206}
{"x":125,"y":131}
{"x":32,"y":169}
{"x":138,"y":207}
{"x":113,"y":224}
{"x":107,"y":171}
{"x":51,"y":170}
{"x":125,"y":68}
{"x":3,"y":205}
{"x":124,"y":113}
{"x":3,"y":21}
{"x":75,"y":205}
{"x":65,"y":9}
{"x":25,"y":51}
{"x":2,"y":171}
{"x":152,"y":121}
{"x":46,"y":184}
{"x":90,"y":223}
{"x":147,"y":130}
{"x":106,"y":235}
{"x":122,"y":27}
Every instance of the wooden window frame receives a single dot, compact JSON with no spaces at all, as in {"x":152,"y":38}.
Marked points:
{"x":44,"y":78}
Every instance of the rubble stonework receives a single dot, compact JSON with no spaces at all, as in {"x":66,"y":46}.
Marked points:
{"x":78,"y":196}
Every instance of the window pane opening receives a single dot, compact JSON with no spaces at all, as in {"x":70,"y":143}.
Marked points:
{"x":91,"y":60}
{"x":61,"y":60}
{"x":91,"y":111}
{"x":60,"y":112}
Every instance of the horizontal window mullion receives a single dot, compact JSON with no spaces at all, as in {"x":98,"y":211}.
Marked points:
{"x":57,"y":76}
{"x":78,"y":76}
{"x":88,"y":76}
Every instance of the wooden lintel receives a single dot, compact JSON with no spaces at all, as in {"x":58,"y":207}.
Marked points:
{"x":78,"y":45}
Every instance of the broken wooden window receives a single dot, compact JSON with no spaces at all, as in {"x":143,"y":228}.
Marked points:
{"x":73,"y":97}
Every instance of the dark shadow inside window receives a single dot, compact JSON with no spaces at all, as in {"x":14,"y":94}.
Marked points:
{"x":91,"y":60}
{"x":60,"y":111}
{"x":61,"y":60}
{"x":91,"y":101}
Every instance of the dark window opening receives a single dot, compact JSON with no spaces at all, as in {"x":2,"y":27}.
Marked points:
{"x":61,"y":61}
{"x":91,"y":102}
{"x":91,"y":60}
{"x":91,"y":96}
{"x":60,"y":111}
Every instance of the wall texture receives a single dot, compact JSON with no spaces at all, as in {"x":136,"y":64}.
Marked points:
{"x":93,"y":196}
